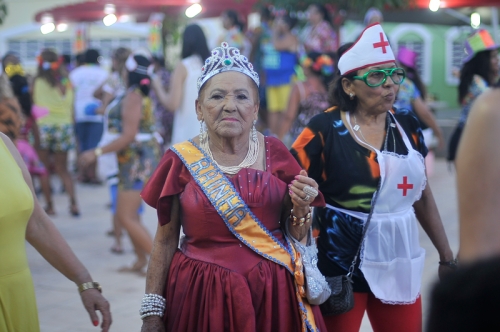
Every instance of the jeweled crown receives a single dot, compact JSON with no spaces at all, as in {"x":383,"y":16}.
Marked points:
{"x":226,"y":58}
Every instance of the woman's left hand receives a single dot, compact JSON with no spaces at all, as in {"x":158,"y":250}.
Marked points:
{"x":87,"y":158}
{"x":303,"y":190}
{"x":92,"y":301}
{"x":446,"y":269}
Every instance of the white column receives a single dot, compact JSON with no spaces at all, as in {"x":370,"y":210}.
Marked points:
{"x":494,"y":23}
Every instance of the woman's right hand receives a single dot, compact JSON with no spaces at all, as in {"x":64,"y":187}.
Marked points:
{"x":153,"y":324}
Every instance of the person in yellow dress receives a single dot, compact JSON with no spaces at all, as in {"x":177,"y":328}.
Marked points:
{"x":22,"y":217}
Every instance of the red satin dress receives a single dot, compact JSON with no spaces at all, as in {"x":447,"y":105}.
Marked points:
{"x":215,"y":282}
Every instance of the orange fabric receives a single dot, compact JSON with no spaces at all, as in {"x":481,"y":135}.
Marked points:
{"x":415,"y":138}
{"x":305,"y":137}
{"x":374,"y":166}
{"x":323,"y":174}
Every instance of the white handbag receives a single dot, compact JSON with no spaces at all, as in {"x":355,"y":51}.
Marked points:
{"x":316,"y":286}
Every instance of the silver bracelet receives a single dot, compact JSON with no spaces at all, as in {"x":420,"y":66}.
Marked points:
{"x":152,"y":305}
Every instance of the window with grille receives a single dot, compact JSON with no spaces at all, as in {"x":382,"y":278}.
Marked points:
{"x":106,"y":46}
{"x":417,"y":47}
{"x":455,"y":39}
{"x":419,"y":39}
{"x":28,"y":49}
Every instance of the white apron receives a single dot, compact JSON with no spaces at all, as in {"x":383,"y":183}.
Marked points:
{"x":392,"y":260}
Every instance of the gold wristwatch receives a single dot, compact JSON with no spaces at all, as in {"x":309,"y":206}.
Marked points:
{"x":89,"y":285}
{"x":98,"y":152}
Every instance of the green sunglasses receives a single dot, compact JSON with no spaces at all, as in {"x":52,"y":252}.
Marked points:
{"x":377,"y":77}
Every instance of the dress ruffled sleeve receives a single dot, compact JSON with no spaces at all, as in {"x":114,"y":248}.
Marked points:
{"x":285,"y":167}
{"x":168,"y":180}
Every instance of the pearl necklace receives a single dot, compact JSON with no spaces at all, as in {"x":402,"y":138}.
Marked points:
{"x":250,"y":158}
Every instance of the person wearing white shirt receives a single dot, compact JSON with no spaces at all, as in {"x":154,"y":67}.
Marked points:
{"x":88,"y":124}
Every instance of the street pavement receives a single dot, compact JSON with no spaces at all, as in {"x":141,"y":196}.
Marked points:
{"x":59,"y":305}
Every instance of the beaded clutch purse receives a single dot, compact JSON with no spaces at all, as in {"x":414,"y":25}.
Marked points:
{"x":316,"y":286}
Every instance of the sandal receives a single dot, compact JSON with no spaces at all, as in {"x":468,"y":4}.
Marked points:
{"x":135,"y":268}
{"x":73,"y":209}
{"x":49,"y":209}
{"x":118,"y":250}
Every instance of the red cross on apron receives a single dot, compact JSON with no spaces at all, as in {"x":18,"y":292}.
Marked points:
{"x":405,"y":186}
{"x":382,"y":43}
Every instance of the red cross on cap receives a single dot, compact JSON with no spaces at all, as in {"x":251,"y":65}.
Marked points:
{"x":372,"y":48}
{"x":382,"y":43}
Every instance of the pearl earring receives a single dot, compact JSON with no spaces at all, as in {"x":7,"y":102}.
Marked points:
{"x":202,"y":132}
{"x":351,"y":95}
{"x":254,"y":131}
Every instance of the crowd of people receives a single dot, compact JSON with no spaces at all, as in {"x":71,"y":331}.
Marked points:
{"x":294,"y":133}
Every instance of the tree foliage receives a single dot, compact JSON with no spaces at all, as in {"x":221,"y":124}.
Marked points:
{"x":3,"y":11}
{"x":354,"y":6}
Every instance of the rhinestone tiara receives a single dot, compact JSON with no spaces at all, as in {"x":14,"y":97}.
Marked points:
{"x":226,"y":58}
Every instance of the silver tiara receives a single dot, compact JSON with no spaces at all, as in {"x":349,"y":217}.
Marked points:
{"x":226,"y":58}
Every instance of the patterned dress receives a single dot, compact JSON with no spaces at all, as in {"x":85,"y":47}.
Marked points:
{"x":320,"y":38}
{"x":27,"y":151}
{"x":136,"y":162}
{"x":235,"y":38}
{"x":164,"y":120}
{"x":309,"y":106}
{"x":477,"y":87}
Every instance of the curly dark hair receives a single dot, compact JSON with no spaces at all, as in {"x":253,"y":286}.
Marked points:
{"x":336,"y":94}
{"x":21,"y":91}
{"x":480,"y":65}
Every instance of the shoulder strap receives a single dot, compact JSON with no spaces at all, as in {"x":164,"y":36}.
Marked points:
{"x":365,"y":229}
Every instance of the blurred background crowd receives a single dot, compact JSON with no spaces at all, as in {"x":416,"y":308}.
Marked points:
{"x":68,"y":67}
{"x":62,"y":76}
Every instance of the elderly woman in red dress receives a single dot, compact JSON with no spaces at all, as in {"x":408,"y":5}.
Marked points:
{"x":232,"y":190}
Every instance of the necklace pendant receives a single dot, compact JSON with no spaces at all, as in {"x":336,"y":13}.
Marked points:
{"x":356,"y":128}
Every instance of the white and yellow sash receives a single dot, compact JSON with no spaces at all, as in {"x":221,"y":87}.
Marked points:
{"x":240,"y":220}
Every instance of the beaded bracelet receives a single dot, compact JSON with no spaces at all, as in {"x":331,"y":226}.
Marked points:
{"x":300,"y":221}
{"x":453,"y":264}
{"x":152,"y":305}
{"x":152,"y":313}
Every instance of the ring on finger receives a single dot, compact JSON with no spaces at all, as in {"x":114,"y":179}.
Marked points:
{"x":308,"y":190}
{"x":308,"y":197}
